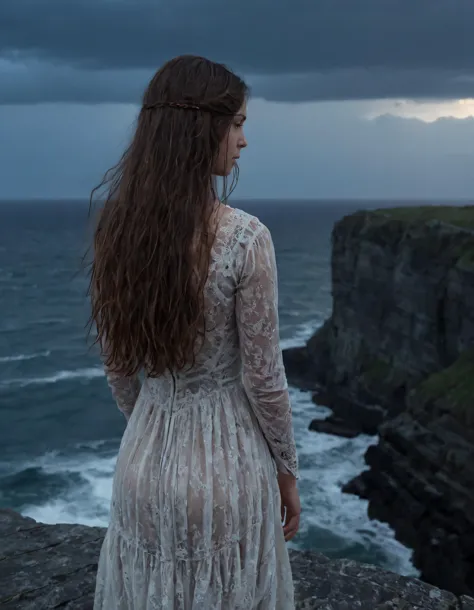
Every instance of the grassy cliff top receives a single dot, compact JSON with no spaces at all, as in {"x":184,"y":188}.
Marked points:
{"x":460,"y":216}
{"x":388,"y":228}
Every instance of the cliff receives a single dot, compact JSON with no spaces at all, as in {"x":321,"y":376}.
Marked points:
{"x":397,"y":358}
{"x":53,"y":566}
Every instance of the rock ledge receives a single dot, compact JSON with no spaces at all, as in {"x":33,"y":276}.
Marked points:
{"x":43,"y":567}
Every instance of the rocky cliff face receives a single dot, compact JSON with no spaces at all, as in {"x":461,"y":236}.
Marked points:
{"x":421,"y":476}
{"x":54,"y":566}
{"x":397,"y":358}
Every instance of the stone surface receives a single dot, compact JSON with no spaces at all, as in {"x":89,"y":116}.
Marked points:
{"x":397,"y":358}
{"x":46,"y":566}
{"x":334,"y":425}
{"x":421,"y":481}
{"x":53,"y":566}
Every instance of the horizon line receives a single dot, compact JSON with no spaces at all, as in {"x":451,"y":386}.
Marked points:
{"x":329,"y":199}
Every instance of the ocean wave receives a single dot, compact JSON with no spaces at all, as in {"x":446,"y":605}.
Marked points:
{"x":333,"y":521}
{"x":80,"y":486}
{"x":79,"y":489}
{"x":88,"y":373}
{"x":20,"y":357}
{"x":301,"y":334}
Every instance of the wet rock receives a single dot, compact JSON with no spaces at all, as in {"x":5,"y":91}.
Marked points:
{"x":333,"y":425}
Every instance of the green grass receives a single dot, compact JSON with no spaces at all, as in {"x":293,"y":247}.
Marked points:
{"x":387,"y":227}
{"x":452,"y":388}
{"x":460,"y":216}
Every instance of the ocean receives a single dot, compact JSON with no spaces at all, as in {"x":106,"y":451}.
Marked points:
{"x":60,"y":429}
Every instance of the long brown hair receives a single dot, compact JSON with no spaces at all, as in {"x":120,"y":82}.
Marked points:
{"x":152,"y":240}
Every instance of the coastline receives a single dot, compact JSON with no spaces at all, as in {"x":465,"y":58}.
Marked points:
{"x":396,"y":359}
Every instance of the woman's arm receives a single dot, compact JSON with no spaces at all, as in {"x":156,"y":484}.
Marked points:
{"x":263,"y":370}
{"x":125,"y":389}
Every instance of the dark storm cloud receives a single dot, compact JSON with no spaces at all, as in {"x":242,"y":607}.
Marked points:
{"x":337,"y":49}
{"x":39,"y":82}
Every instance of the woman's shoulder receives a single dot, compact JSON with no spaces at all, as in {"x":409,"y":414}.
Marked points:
{"x":240,"y":234}
{"x":246,"y":225}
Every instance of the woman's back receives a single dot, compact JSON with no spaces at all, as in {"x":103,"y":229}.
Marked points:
{"x":219,"y":358}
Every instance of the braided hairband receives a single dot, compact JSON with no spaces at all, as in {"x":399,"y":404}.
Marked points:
{"x":182,"y":105}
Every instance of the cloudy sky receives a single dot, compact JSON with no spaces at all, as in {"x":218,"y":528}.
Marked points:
{"x":351,"y":98}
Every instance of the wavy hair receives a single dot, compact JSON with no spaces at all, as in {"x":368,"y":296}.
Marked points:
{"x":153,"y":237}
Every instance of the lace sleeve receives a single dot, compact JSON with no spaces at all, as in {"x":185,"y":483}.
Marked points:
{"x":125,"y":390}
{"x":263,"y":370}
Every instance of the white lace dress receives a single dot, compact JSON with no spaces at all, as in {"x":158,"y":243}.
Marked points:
{"x":195,"y":519}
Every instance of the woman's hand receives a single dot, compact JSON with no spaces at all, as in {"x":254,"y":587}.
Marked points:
{"x":290,"y":504}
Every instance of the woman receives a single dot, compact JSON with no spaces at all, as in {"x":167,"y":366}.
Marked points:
{"x":184,"y":295}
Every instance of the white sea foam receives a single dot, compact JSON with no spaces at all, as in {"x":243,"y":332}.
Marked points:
{"x":301,"y":334}
{"x":335,"y":521}
{"x":20,"y":357}
{"x":88,"y":502}
{"x":87,"y":373}
{"x":326,"y":463}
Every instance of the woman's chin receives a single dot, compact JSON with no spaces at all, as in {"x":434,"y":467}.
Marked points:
{"x":234,"y":165}
{"x":224,"y":173}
